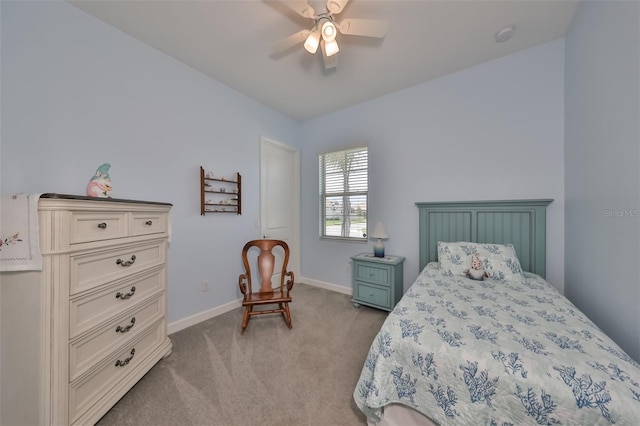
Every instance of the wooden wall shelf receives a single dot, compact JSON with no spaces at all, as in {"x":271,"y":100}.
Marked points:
{"x":219,"y":194}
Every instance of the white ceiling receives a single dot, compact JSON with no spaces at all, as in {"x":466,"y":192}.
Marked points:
{"x":231,"y":42}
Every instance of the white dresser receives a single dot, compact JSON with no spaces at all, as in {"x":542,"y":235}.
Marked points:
{"x":79,"y":334}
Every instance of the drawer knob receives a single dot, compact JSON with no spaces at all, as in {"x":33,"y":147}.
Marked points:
{"x":149,"y":223}
{"x":127,"y":295}
{"x":102,"y":225}
{"x":124,"y":263}
{"x":126,"y":360}
{"x":121,"y":329}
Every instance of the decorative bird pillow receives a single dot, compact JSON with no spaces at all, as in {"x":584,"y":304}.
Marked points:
{"x":476,"y":272}
{"x":100,"y":184}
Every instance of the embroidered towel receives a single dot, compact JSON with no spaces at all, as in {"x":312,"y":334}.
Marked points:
{"x":19,"y":239}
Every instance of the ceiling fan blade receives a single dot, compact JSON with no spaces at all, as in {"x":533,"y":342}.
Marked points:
{"x":302,"y":8}
{"x":336,"y":6}
{"x":290,"y":41}
{"x":363,"y":27}
{"x":329,"y":61}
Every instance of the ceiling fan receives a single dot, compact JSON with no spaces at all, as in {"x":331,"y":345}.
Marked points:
{"x":325,"y":29}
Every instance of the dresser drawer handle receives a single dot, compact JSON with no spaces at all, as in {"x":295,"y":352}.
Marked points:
{"x":149,"y":223}
{"x":126,"y":360}
{"x":124,"y":263}
{"x":126,"y":296}
{"x":102,"y":225}
{"x":121,"y":329}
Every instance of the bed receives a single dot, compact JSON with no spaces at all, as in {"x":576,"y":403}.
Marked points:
{"x":507,"y":350}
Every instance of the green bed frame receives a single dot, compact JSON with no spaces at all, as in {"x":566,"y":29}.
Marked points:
{"x":518,"y":222}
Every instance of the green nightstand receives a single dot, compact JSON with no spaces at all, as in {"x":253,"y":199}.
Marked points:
{"x":377,"y":281}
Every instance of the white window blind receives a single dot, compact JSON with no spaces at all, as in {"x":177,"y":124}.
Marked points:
{"x":344,"y":182}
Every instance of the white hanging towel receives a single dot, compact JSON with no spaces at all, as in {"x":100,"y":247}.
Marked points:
{"x":19,"y":236}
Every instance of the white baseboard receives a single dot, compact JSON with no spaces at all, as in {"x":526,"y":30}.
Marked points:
{"x":328,"y":286}
{"x":183,"y":323}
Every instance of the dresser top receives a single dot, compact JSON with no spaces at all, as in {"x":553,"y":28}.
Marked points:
{"x":83,"y":197}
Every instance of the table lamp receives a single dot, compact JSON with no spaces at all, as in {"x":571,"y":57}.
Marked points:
{"x":379,"y":232}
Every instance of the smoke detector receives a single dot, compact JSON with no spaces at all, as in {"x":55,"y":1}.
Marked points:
{"x":505,"y":33}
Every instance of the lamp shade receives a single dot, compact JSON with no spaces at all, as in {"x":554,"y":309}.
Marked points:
{"x":311,"y":44}
{"x":380,"y":231}
{"x":330,"y":47}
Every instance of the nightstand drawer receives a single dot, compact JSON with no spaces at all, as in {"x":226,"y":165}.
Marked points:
{"x":372,"y":294}
{"x":372,"y":273}
{"x":376,"y":281}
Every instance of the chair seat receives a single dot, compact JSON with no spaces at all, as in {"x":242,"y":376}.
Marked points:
{"x":259,"y":298}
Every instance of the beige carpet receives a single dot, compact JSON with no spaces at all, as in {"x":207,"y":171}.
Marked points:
{"x":269,"y":376}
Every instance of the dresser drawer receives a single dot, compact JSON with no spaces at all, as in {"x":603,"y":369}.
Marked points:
{"x":372,"y":294}
{"x":86,"y":352}
{"x":148,"y":223}
{"x":89,"y":270}
{"x":87,"y":391}
{"x":372,"y":273}
{"x":92,"y":309}
{"x":97,"y":226}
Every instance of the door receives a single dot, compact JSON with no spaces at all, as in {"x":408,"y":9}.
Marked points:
{"x":280,"y":199}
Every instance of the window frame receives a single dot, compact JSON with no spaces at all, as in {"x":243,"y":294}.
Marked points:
{"x":325,"y":194}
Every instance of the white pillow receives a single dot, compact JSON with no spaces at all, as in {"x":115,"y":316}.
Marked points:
{"x":499,"y":260}
{"x":455,"y":257}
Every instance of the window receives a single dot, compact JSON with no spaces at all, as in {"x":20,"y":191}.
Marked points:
{"x":344,"y":185}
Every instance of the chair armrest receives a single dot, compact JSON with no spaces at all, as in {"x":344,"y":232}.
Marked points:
{"x":290,"y":281}
{"x":241,"y":283}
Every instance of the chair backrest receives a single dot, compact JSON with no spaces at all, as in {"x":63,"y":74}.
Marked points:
{"x":266,"y":263}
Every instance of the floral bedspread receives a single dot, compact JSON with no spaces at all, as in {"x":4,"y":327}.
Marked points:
{"x":469,"y":352}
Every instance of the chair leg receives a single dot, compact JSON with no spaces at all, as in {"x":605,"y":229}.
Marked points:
{"x":245,"y":319}
{"x":287,"y":315}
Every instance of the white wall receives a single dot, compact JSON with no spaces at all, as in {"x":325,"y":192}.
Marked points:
{"x":602,"y":168}
{"x":491,"y":132}
{"x":77,"y":93}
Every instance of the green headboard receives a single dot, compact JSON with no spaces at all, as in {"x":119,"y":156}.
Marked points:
{"x":518,"y":222}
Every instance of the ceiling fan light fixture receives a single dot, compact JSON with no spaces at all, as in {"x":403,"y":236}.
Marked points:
{"x":330,"y":47}
{"x":328,"y":31}
{"x":325,"y":29}
{"x":311,"y":44}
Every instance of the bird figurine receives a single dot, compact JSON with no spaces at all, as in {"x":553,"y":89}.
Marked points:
{"x":100,"y":184}
{"x":476,"y":272}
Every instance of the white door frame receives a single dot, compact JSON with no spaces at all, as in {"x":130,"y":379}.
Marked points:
{"x":294,"y":262}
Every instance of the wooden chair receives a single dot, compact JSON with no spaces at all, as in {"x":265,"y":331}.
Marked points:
{"x":266,"y":294}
